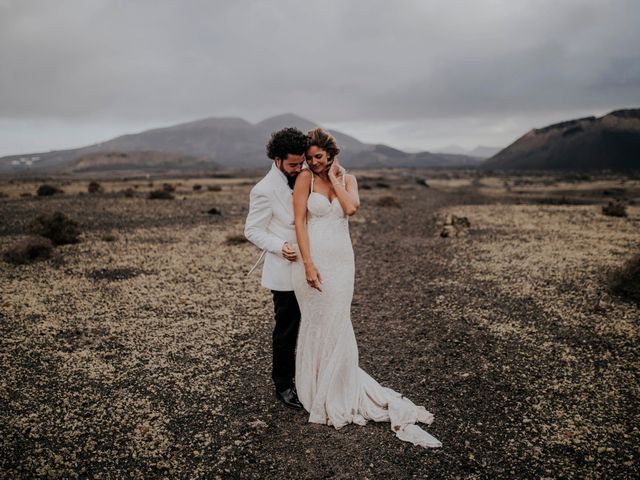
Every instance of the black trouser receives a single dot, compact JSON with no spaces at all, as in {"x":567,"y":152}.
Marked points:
{"x":285,"y":335}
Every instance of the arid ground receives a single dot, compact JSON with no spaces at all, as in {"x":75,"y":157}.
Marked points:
{"x":144,"y":350}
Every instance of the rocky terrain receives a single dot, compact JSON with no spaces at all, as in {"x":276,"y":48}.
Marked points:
{"x":143,"y":351}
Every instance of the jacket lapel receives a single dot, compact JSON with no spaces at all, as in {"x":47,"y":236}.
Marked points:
{"x":281,"y":189}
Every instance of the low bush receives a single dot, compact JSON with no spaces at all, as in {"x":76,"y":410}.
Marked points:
{"x":28,"y":250}
{"x":625,"y":281}
{"x":160,"y":195}
{"x":57,"y":227}
{"x":94,"y":187}
{"x":615,"y":209}
{"x":46,"y":190}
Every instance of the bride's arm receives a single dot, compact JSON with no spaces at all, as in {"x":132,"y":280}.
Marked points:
{"x":300,"y":196}
{"x":347,"y":195}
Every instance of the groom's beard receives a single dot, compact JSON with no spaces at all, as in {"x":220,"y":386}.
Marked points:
{"x":290,"y":180}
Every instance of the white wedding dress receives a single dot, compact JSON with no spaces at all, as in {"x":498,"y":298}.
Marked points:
{"x":330,"y":384}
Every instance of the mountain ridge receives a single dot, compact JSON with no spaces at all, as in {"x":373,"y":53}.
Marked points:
{"x":215,"y":142}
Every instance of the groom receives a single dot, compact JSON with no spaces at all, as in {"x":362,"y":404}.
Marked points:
{"x":270,"y":227}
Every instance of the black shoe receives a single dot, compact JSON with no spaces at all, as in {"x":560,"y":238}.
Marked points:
{"x":289,"y":397}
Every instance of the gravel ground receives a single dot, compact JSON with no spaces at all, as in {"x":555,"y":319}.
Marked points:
{"x":144,"y":350}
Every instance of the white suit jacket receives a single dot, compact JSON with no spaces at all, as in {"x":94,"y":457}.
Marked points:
{"x":269,"y":225}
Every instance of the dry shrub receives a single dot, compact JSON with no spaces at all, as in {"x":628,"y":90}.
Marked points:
{"x":382,"y":185}
{"x":95,"y":187}
{"x":28,"y":250}
{"x":197,"y":187}
{"x":615,"y":209}
{"x":214,"y":188}
{"x":110,"y":274}
{"x":389,"y":201}
{"x":109,"y":237}
{"x":26,"y":194}
{"x":57,"y":227}
{"x":236,"y":239}
{"x":46,"y":190}
{"x":160,"y":195}
{"x":129,"y":192}
{"x":626,"y":281}
{"x":167,"y":187}
{"x":214,"y":211}
{"x":4,"y":195}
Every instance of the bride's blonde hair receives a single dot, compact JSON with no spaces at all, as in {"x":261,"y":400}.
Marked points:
{"x":324,"y":140}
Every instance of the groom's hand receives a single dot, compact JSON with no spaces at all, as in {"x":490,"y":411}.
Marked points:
{"x":288,"y":252}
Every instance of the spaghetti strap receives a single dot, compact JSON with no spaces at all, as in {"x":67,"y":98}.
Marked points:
{"x":311,"y":182}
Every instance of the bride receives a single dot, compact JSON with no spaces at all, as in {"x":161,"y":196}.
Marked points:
{"x":330,"y":384}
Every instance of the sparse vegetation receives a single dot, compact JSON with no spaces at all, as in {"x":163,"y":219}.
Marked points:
{"x":167,"y":187}
{"x":507,"y":318}
{"x":615,"y":209}
{"x":214,"y":211}
{"x":109,"y":237}
{"x":214,"y":188}
{"x":625,"y":282}
{"x":388,"y":201}
{"x":235,"y":239}
{"x":111,"y":274}
{"x":46,"y":190}
{"x":28,"y":250}
{"x":160,"y":195}
{"x":94,"y":187}
{"x":197,"y":187}
{"x":57,"y":227}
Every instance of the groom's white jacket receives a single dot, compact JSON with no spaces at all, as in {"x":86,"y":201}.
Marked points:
{"x":269,"y":225}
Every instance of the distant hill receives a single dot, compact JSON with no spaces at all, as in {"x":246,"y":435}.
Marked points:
{"x":479,"y":151}
{"x":212,"y":144}
{"x":611,"y":142}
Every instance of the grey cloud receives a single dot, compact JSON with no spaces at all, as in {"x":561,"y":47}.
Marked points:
{"x":358,"y":62}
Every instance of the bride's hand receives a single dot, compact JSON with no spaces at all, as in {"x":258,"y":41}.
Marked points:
{"x":313,"y":277}
{"x":334,"y":169}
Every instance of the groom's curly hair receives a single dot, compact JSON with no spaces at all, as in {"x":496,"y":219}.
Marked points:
{"x":286,"y":141}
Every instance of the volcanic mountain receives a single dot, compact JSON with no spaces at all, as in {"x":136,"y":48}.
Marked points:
{"x":611,"y":142}
{"x":211,"y":144}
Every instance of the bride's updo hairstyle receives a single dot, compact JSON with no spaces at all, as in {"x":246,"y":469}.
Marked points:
{"x":321,"y":139}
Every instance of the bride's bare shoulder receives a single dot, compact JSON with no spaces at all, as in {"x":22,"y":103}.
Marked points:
{"x":303,"y":180}
{"x":304,"y":173}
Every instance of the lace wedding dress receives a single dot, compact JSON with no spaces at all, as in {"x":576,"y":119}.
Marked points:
{"x":330,"y":384}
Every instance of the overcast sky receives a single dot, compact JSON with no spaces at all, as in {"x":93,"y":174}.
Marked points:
{"x":420,"y":74}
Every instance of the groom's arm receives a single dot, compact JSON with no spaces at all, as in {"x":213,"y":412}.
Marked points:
{"x":255,"y":228}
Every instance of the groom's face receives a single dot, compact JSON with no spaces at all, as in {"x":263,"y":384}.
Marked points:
{"x":290,"y":166}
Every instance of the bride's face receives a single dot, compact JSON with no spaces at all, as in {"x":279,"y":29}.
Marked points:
{"x":317,"y":159}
